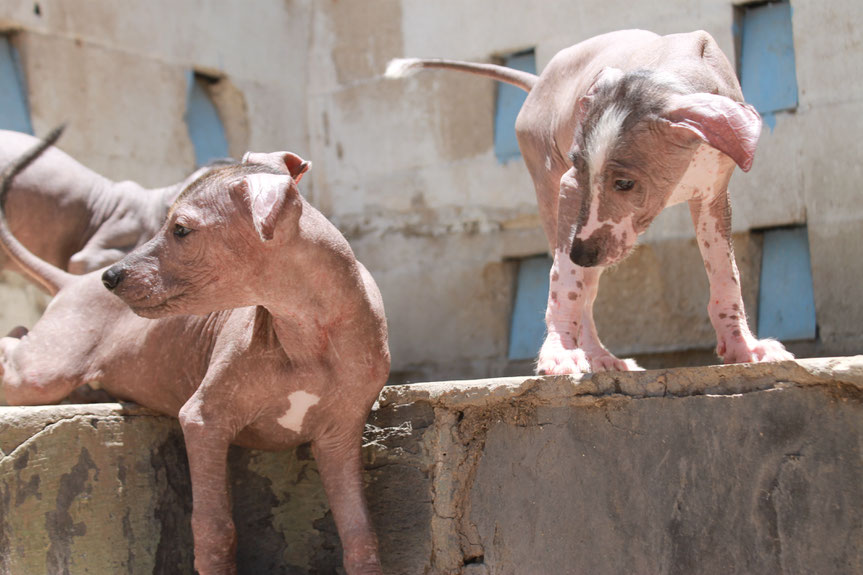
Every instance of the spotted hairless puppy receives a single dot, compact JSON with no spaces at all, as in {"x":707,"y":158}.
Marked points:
{"x":287,"y":344}
{"x":615,"y":129}
{"x":74,"y":218}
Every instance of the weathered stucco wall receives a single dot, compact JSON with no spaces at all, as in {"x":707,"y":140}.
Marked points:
{"x":734,"y":469}
{"x":406,"y":168}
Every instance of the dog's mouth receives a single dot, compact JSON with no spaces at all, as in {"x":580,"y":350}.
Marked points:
{"x":152,"y":307}
{"x":150,"y":311}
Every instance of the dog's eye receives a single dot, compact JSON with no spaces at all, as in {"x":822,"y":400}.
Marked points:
{"x":181,"y":231}
{"x":624,"y":185}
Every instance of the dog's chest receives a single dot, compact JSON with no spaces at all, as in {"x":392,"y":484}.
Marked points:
{"x":699,"y":181}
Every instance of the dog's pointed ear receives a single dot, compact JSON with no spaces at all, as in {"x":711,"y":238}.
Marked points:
{"x":605,"y":77}
{"x":286,"y":162}
{"x":266,"y":196}
{"x":731,"y":127}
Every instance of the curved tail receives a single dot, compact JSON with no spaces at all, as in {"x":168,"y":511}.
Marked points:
{"x":48,"y":276}
{"x":404,"y":67}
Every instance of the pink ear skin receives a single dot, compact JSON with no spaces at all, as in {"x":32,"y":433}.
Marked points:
{"x":267,"y":195}
{"x":731,"y":127}
{"x":285,"y":162}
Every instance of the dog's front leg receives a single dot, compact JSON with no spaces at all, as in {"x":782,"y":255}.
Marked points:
{"x":600,"y":358}
{"x":734,"y":342}
{"x":561,"y":353}
{"x":212,"y":526}
{"x":339,"y":460}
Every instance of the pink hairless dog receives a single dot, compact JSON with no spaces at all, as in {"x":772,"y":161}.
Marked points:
{"x":288,"y":344}
{"x":615,"y":129}
{"x":72,"y":217}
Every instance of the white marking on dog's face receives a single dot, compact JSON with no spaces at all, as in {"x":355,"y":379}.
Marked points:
{"x":603,"y":139}
{"x":301,"y":401}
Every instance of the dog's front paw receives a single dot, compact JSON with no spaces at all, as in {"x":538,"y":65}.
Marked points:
{"x":751,"y":350}
{"x":555,"y":359}
{"x":606,"y":361}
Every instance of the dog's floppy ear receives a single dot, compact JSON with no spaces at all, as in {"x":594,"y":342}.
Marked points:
{"x":731,"y":127}
{"x":285,"y":162}
{"x":266,"y":196}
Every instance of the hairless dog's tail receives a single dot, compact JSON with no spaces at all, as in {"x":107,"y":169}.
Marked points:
{"x":404,"y":67}
{"x":48,"y":276}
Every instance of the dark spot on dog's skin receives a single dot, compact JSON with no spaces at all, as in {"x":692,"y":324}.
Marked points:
{"x":708,"y":267}
{"x":736,"y":333}
{"x":723,"y":316}
{"x":735,"y":307}
{"x":554,"y":296}
{"x":572,"y":296}
{"x":554,"y":276}
{"x":579,"y":284}
{"x":720,"y":211}
{"x":707,"y":245}
{"x":572,"y":273}
{"x":732,"y":317}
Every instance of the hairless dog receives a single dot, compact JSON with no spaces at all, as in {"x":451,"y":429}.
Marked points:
{"x":615,"y":129}
{"x":288,"y":343}
{"x":74,"y":218}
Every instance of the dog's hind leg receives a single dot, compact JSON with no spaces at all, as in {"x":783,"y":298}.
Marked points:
{"x":30,"y":379}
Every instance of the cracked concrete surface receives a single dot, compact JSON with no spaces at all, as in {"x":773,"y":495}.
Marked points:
{"x":723,"y":469}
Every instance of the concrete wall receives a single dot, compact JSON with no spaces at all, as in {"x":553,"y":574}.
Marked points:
{"x":406,"y":168}
{"x":733,"y":469}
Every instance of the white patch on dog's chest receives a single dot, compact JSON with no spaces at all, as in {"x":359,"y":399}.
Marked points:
{"x":701,"y":175}
{"x":301,"y":401}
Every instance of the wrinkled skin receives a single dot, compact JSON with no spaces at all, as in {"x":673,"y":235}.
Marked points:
{"x":615,"y":129}
{"x":72,"y":217}
{"x":288,"y":344}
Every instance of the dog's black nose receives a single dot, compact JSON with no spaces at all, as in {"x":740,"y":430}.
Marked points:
{"x":584,"y":253}
{"x":112,"y":277}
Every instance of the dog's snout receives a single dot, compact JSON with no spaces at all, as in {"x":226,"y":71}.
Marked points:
{"x":112,"y":277}
{"x":584,"y":253}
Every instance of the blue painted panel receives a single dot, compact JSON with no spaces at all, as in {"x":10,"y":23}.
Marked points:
{"x":786,"y":302}
{"x":509,"y":101}
{"x":205,"y":127}
{"x":527,"y":330}
{"x":14,"y":114}
{"x":768,"y":74}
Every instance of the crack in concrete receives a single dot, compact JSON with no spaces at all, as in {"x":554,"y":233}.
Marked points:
{"x":60,"y":421}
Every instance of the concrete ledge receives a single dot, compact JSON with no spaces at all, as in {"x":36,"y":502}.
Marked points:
{"x":726,"y":469}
